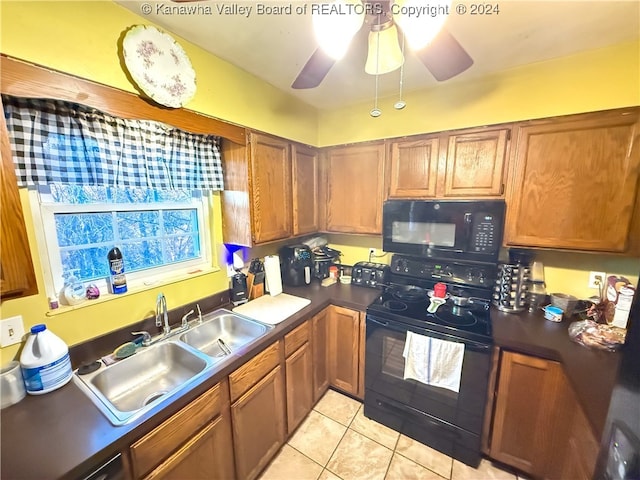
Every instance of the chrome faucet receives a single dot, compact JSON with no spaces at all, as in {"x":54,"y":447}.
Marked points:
{"x":162,"y":315}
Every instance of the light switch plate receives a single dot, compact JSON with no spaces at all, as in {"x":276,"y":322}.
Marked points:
{"x":11,"y":331}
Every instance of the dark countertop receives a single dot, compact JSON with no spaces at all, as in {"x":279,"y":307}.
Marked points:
{"x":63,"y":435}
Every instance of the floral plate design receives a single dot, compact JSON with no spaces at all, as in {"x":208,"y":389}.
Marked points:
{"x":159,"y":66}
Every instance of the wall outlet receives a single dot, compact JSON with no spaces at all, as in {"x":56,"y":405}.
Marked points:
{"x":11,"y":331}
{"x":595,"y":277}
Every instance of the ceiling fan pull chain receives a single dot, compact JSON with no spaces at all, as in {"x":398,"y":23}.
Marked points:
{"x":375,"y":111}
{"x":400,"y":104}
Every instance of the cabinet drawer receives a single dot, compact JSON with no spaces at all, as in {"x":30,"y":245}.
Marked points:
{"x":251,"y":372}
{"x":296,"y":338}
{"x":154,"y":447}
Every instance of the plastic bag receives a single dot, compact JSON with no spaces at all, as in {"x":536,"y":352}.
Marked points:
{"x":597,"y":335}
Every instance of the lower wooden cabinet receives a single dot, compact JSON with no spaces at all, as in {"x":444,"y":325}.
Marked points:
{"x":258,"y":416}
{"x":208,"y":455}
{"x":344,"y":349}
{"x":194,"y":443}
{"x":298,"y":371}
{"x":320,"y":347}
{"x":525,"y":412}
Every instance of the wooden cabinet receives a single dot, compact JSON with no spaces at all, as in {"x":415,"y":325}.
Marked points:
{"x":195,"y":443}
{"x":258,"y":415}
{"x":465,"y":164}
{"x":525,"y":412}
{"x":17,"y":276}
{"x":320,"y":347}
{"x":344,"y":349}
{"x":270,"y":187}
{"x":413,"y":168}
{"x":305,"y":184}
{"x":574,"y":182}
{"x":355,"y":188}
{"x":298,"y":371}
{"x":475,"y":163}
{"x":271,"y":190}
{"x":574,"y":445}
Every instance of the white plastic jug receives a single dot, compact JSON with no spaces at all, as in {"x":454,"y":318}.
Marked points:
{"x":45,"y":361}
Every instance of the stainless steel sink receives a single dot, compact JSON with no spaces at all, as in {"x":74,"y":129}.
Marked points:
{"x":224,"y":329}
{"x":131,"y":387}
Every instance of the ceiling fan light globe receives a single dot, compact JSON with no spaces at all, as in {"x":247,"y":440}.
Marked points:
{"x":384,"y":54}
{"x":420,"y":22}
{"x":335,"y":25}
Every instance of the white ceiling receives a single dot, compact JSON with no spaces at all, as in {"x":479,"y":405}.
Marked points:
{"x":275,"y":47}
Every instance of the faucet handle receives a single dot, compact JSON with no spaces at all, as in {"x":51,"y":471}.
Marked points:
{"x":185,"y":318}
{"x":146,"y":337}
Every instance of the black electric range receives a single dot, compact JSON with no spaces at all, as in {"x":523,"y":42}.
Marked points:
{"x":406,"y":296}
{"x":447,"y":420}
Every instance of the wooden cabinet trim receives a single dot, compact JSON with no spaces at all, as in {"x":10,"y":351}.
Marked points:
{"x":157,"y":445}
{"x":248,"y":374}
{"x":24,"y":79}
{"x":296,"y":338}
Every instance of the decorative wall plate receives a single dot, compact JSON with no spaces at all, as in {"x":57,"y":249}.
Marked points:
{"x":159,"y":66}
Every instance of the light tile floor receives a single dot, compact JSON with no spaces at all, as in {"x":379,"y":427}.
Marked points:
{"x":337,"y":442}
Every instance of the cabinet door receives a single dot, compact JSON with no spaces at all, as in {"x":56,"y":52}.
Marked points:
{"x":259,"y":425}
{"x":475,"y":164}
{"x":524,"y":413}
{"x":355,"y":183}
{"x":361,"y":354}
{"x":304,"y":178}
{"x":575,"y":182}
{"x":320,"y":342}
{"x":270,"y":188}
{"x":299,"y":386}
{"x":344,"y":348}
{"x":207,"y":456}
{"x":414,"y":168}
{"x":17,"y":277}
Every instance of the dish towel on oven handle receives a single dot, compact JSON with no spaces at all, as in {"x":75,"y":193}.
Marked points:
{"x":433,"y":361}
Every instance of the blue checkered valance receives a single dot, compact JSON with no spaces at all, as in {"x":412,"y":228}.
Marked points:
{"x":54,"y":141}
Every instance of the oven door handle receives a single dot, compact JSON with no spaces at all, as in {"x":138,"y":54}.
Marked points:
{"x":404,"y":329}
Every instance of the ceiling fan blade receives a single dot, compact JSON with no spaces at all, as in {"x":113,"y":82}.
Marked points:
{"x":444,"y":56}
{"x":314,"y":70}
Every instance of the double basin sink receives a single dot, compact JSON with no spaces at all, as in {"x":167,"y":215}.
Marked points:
{"x":129,"y":388}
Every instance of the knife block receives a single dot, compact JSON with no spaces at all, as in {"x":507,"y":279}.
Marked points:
{"x":256,"y":289}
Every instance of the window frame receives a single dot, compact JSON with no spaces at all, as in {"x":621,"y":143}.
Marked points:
{"x":46,"y":238}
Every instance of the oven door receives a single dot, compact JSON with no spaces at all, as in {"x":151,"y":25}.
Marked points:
{"x":447,"y":421}
{"x":454,"y":230}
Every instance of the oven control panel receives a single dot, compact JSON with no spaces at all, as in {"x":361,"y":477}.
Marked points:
{"x":474,"y":275}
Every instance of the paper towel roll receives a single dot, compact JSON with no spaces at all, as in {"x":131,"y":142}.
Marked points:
{"x":272,"y":274}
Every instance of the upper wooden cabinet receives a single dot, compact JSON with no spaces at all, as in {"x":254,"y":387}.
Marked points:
{"x":574,"y":182}
{"x":305,"y":184}
{"x":464,"y":164}
{"x":413,"y":168}
{"x":355,"y":188}
{"x":270,"y":180}
{"x":475,"y":165}
{"x":17,"y":276}
{"x":271,"y":190}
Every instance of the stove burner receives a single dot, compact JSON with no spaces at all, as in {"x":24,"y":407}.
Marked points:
{"x":395,"y":305}
{"x":458,"y":318}
{"x":408,"y":293}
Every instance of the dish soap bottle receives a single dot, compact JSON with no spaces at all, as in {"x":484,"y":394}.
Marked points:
{"x":117,"y":280}
{"x":74,"y":291}
{"x":45,"y":361}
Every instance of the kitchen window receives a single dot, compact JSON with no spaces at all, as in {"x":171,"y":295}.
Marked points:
{"x":97,"y":181}
{"x":159,"y":232}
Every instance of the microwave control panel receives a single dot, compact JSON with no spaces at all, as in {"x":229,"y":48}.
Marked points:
{"x":484,"y":238}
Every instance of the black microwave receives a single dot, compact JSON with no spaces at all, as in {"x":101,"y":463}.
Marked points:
{"x":444,"y":229}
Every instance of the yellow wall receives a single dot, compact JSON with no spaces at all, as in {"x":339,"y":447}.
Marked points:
{"x":81,"y":38}
{"x":590,"y":81}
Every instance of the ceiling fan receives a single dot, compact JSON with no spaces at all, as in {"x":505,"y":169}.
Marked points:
{"x":420,"y":23}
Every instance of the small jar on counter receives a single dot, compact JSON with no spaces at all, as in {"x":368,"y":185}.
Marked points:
{"x":333,"y":272}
